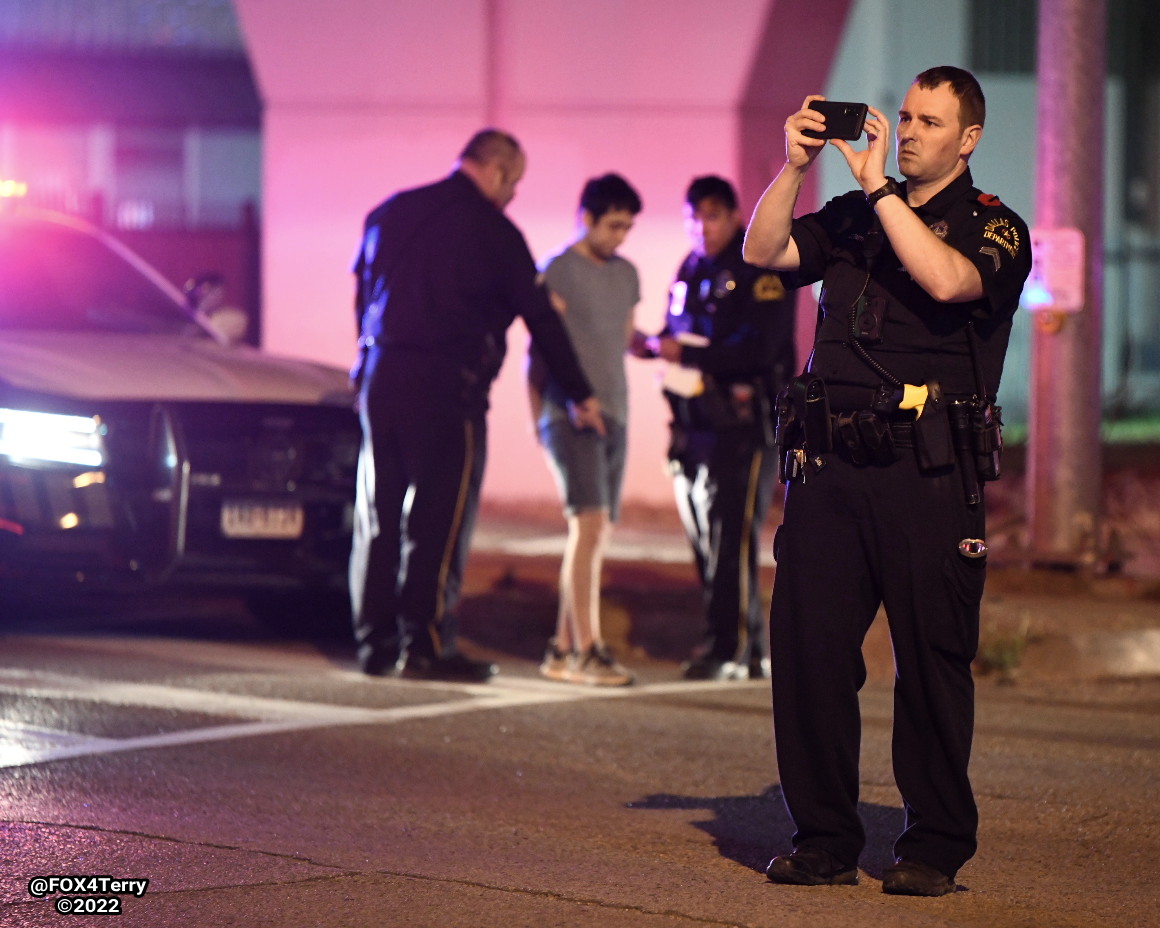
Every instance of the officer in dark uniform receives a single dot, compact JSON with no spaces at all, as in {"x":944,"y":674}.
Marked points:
{"x":730,"y":330}
{"x":441,"y":274}
{"x":884,"y":503}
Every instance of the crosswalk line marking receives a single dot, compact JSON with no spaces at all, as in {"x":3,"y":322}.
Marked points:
{"x":265,"y":715}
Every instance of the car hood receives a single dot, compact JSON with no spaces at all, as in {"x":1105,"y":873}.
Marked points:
{"x":153,"y":367}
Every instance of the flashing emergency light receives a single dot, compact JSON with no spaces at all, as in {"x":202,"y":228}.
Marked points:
{"x":1036,"y":296}
{"x":1058,"y":271}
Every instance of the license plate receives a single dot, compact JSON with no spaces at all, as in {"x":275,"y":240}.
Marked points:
{"x":262,"y":520}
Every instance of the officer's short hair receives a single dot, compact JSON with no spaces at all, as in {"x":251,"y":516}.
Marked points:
{"x":972,"y":104}
{"x":489,"y":145}
{"x":604,"y":194}
{"x":711,"y":187}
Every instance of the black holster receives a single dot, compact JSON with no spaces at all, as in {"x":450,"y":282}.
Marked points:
{"x":933,"y":446}
{"x":803,"y":424}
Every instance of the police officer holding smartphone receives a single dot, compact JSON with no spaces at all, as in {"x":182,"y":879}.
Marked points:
{"x":887,"y":440}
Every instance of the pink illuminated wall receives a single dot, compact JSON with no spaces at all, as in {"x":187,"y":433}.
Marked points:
{"x":363,"y":97}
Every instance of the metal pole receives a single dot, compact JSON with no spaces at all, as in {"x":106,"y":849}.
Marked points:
{"x":1064,"y":465}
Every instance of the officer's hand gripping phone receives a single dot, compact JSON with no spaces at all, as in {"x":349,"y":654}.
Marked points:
{"x":843,"y":120}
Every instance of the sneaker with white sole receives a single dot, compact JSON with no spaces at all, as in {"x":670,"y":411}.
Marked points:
{"x":557,"y":664}
{"x":597,"y":667}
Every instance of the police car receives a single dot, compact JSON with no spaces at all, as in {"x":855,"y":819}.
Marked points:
{"x":138,"y":448}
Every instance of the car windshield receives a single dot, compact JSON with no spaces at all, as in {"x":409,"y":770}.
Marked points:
{"x":60,"y":279}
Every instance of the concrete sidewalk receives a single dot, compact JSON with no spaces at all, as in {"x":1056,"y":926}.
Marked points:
{"x":1035,"y":624}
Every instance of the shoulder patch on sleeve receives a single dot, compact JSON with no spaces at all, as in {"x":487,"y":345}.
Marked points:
{"x":1003,"y":233}
{"x":767,"y":288}
{"x":989,"y":199}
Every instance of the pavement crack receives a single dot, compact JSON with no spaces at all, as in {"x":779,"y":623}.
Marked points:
{"x":566,"y":898}
{"x":185,"y":842}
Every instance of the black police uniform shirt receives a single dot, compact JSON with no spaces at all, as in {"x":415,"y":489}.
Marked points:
{"x":442,"y":271}
{"x":745,"y":313}
{"x":915,"y":337}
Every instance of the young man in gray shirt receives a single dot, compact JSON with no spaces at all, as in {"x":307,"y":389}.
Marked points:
{"x":595,"y":290}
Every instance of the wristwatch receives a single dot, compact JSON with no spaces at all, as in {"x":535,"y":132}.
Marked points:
{"x":890,"y":188}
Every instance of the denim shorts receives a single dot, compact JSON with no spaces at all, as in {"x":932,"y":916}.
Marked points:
{"x":588,"y":468}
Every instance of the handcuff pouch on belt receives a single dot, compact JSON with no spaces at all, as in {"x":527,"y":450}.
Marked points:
{"x":864,"y":437}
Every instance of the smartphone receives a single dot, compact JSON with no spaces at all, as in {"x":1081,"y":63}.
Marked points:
{"x":843,"y":120}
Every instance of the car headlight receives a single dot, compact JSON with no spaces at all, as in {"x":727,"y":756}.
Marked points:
{"x":42,"y":437}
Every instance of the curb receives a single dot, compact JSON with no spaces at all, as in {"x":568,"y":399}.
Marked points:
{"x":1093,"y":655}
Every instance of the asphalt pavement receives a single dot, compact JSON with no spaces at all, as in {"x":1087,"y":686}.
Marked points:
{"x":261,"y":780}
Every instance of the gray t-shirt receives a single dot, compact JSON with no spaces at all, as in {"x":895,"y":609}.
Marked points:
{"x":600,"y":299}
